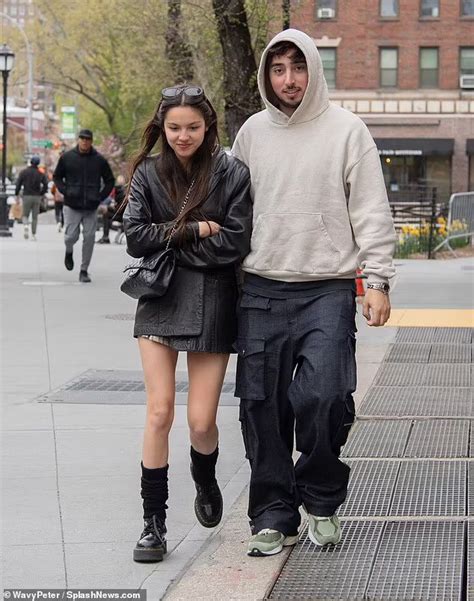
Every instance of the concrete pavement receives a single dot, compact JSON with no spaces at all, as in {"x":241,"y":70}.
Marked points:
{"x":70,"y":472}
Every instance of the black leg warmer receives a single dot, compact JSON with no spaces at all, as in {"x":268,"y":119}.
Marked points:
{"x":154,"y":492}
{"x":203,"y":467}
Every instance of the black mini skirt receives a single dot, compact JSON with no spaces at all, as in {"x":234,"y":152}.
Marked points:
{"x":219,"y":319}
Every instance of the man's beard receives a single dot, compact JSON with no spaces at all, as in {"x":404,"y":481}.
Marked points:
{"x":289,"y":105}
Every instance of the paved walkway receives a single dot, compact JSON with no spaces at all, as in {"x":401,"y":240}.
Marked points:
{"x":70,"y":471}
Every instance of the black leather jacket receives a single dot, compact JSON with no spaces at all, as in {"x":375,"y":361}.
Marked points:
{"x":150,"y":215}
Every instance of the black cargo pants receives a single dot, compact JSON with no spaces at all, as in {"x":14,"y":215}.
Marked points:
{"x":296,"y":373}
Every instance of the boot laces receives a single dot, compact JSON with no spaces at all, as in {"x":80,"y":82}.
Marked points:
{"x":155,"y":526}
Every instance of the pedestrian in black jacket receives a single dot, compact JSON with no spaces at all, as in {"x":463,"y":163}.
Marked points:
{"x":34,"y":184}
{"x":197,"y":313}
{"x":85,"y":179}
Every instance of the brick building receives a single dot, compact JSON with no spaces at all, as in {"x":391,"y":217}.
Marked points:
{"x":406,"y":67}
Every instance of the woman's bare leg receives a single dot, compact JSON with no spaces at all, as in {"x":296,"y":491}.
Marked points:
{"x":159,"y":365}
{"x":206,"y":376}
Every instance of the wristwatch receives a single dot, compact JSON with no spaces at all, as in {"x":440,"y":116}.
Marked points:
{"x":385,"y":288}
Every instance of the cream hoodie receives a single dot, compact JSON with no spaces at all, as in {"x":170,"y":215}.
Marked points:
{"x":320,"y":204}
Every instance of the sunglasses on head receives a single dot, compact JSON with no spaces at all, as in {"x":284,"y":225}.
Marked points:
{"x":192,"y":94}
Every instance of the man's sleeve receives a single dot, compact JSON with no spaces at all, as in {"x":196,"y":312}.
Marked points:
{"x":108,"y":179}
{"x":371,"y":218}
{"x":58,"y":176}
{"x":44,"y":185}
{"x":238,"y":148}
{"x":19,"y":183}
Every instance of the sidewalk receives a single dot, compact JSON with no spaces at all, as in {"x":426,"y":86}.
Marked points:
{"x":70,"y":470}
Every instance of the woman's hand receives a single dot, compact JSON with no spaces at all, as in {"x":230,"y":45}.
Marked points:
{"x":208,"y":228}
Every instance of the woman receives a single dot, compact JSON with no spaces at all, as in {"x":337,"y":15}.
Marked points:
{"x":197,"y":313}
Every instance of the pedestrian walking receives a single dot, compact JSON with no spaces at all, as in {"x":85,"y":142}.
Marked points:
{"x":34,"y":185}
{"x":210,"y":235}
{"x":108,"y":210}
{"x":320,"y":211}
{"x":84,"y":177}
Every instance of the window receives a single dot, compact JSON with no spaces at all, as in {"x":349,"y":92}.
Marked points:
{"x":328,"y":56}
{"x":389,"y":8}
{"x":326,"y":9}
{"x":428,"y":67}
{"x":466,"y":61}
{"x":467,"y":8}
{"x":388,"y":67}
{"x":429,"y":8}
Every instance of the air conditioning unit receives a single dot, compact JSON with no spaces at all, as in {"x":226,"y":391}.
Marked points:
{"x":466,"y":82}
{"x":326,"y":13}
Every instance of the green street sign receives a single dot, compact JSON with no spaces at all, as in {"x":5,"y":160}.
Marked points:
{"x":42,"y":144}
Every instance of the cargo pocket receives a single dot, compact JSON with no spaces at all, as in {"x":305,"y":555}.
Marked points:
{"x":250,"y":378}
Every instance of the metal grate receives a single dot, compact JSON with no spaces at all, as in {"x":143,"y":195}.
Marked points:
{"x":393,"y":374}
{"x":415,"y":335}
{"x":418,"y":560}
{"x":471,"y":441}
{"x":440,"y":438}
{"x":450,"y":353}
{"x":454,"y":335}
{"x":440,"y":335}
{"x":430,"y":488}
{"x":378,"y":438}
{"x":408,"y":353}
{"x":470,"y":561}
{"x":470,"y":490}
{"x":371,"y":486}
{"x":417,"y":401}
{"x":438,"y":374}
{"x":339,"y":572}
{"x":120,"y":387}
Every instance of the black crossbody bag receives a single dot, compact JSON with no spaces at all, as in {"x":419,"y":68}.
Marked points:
{"x":151,"y":275}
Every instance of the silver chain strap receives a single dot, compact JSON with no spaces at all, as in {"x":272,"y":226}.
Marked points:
{"x":185,"y":202}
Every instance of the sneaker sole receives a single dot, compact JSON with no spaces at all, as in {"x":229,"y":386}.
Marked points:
{"x":289,"y":541}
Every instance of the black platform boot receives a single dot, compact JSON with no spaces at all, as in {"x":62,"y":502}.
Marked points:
{"x":208,"y":502}
{"x":151,"y":545}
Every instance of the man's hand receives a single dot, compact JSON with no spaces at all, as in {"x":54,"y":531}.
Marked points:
{"x":208,"y":228}
{"x":376,"y":307}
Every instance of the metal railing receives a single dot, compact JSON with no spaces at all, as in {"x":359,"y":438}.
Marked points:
{"x":461,"y":210}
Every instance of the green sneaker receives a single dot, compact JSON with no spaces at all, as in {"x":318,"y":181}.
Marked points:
{"x":324,"y":530}
{"x":269,"y":542}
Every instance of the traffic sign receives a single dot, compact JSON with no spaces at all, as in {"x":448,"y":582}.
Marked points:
{"x":42,"y":143}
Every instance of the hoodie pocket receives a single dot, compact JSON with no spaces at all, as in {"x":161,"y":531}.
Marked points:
{"x":295,"y":242}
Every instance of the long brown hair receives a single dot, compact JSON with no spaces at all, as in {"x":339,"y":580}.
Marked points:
{"x":173,"y":176}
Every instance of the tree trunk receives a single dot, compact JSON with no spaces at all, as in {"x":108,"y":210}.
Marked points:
{"x":177,"y":49}
{"x":285,"y":7}
{"x":241,"y":94}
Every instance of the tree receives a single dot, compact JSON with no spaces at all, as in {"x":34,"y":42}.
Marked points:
{"x":241,"y":94}
{"x":177,"y":49}
{"x":90,"y":51}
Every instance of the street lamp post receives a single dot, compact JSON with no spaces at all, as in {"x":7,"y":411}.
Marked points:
{"x":7,"y":58}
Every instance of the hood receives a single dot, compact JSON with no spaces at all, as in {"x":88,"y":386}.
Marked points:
{"x":316,"y":98}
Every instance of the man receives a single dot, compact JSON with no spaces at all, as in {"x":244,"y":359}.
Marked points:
{"x":85,"y":178}
{"x":35,"y":185}
{"x":320,"y":211}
